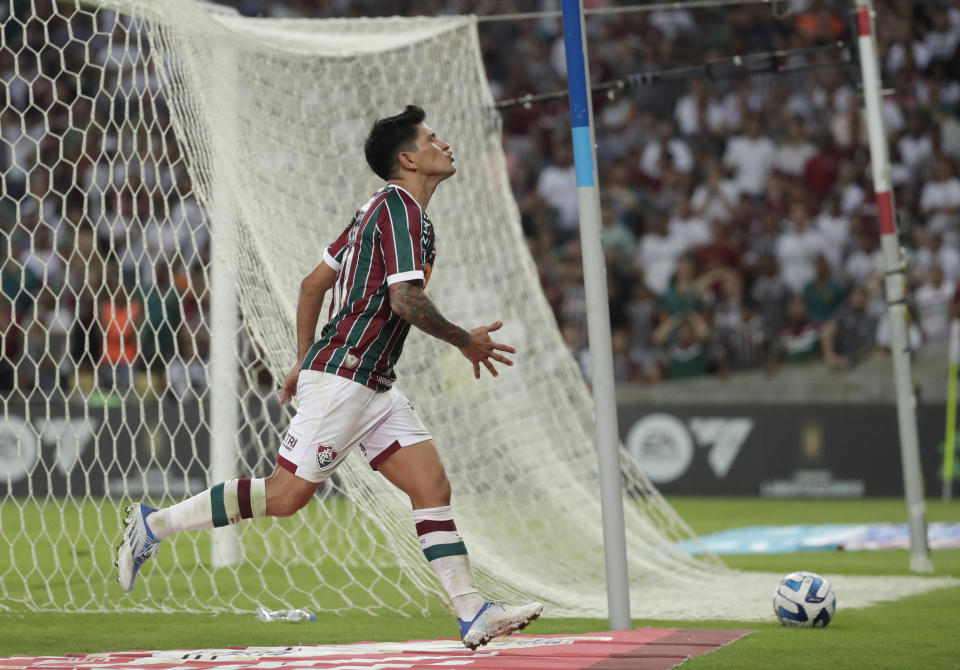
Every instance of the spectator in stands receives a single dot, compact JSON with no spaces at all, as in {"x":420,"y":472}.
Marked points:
{"x":932,"y":251}
{"x":717,"y":197}
{"x":949,"y":129}
{"x":932,"y":301}
{"x":686,"y":225}
{"x":820,"y":172}
{"x":619,"y":242}
{"x":941,"y":39}
{"x":644,"y":354}
{"x":161,"y":328}
{"x":794,"y":151}
{"x":658,"y":252}
{"x":41,"y":259}
{"x":685,"y":293}
{"x":852,"y":193}
{"x":721,"y":251}
{"x":940,"y":202}
{"x":850,"y":335}
{"x":916,"y":146}
{"x":864,"y":265}
{"x":684,"y":338}
{"x":751,"y":156}
{"x":770,"y":294}
{"x":701,"y":113}
{"x":46,"y":362}
{"x":120,"y":317}
{"x":742,"y":343}
{"x":557,"y":185}
{"x":10,"y":344}
{"x":799,"y":339}
{"x":665,"y":152}
{"x":834,"y":228}
{"x":797,"y":248}
{"x":823,"y":294}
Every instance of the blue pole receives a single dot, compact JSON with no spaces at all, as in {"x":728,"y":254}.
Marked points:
{"x":598,"y":318}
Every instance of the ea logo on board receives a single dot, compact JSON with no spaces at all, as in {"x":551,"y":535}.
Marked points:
{"x":661,"y":444}
{"x":326,"y":456}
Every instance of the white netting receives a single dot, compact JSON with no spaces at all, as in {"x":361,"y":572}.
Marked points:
{"x":142,"y":144}
{"x":160,"y":128}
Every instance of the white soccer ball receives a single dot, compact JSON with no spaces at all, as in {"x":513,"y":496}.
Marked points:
{"x":804,"y":600}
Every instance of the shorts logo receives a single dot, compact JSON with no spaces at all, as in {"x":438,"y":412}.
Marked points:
{"x":289,"y":442}
{"x":326,"y":456}
{"x":350,"y":361}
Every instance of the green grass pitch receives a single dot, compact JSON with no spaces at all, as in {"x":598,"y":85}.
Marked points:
{"x":919,"y":632}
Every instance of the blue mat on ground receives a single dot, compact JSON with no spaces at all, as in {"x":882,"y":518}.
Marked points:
{"x":848,"y":536}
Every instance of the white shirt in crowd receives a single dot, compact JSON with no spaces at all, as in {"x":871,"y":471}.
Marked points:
{"x":720,"y":115}
{"x":861,"y":265}
{"x":937,"y":194}
{"x":942,"y":45}
{"x":791,"y":158}
{"x":680,"y":156}
{"x":947,"y":257}
{"x":694,"y":231}
{"x":657,"y":259}
{"x":673,"y":22}
{"x":752,"y":158}
{"x":851,"y":198}
{"x":712,"y":205}
{"x":558,"y":186}
{"x":897,"y":55}
{"x":835,"y":231}
{"x":933,"y":309}
{"x":915,"y":151}
{"x":796,"y":253}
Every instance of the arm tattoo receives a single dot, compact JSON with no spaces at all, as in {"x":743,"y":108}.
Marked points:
{"x":411,"y":304}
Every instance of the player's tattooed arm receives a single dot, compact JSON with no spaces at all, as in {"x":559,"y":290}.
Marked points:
{"x":410,"y":303}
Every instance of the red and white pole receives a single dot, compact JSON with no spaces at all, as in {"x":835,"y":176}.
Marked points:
{"x":895,"y":285}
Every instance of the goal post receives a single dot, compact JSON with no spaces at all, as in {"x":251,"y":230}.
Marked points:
{"x":895,"y":286}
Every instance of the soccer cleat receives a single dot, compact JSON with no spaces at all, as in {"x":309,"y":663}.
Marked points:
{"x":494,"y":619}
{"x":138,"y":545}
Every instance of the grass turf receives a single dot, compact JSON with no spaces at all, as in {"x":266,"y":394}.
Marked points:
{"x":916,"y":632}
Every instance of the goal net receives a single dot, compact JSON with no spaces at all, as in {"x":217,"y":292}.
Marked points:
{"x":169,"y":176}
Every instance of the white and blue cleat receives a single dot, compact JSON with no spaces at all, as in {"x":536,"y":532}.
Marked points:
{"x":138,"y":544}
{"x":494,"y":619}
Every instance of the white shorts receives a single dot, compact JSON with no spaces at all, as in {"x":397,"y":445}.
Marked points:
{"x":335,"y":414}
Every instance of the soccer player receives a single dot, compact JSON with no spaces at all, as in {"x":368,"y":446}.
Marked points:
{"x":378,"y":269}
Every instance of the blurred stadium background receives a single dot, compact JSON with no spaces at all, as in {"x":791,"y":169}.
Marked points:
{"x":739,"y":221}
{"x":746,"y":281}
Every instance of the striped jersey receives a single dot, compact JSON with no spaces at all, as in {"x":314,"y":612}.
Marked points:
{"x":390,"y":239}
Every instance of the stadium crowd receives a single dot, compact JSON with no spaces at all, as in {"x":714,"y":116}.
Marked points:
{"x":739,"y":221}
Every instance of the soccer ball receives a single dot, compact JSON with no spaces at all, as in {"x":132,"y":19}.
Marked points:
{"x":804,"y":600}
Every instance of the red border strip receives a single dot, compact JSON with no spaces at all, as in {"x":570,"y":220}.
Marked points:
{"x":885,"y":213}
{"x":243,"y":498}
{"x":429,"y":526}
{"x":378,"y":460}
{"x":286,"y":465}
{"x":863,"y":21}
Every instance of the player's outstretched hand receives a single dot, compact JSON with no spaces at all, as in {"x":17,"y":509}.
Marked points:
{"x":481,"y":349}
{"x":289,"y":387}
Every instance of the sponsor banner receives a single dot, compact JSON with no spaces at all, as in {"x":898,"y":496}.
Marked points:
{"x":647,"y":648}
{"x":778,"y":451}
{"x":129,"y":449}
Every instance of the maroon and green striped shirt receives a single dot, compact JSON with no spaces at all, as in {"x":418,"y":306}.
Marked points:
{"x":389,"y":239}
